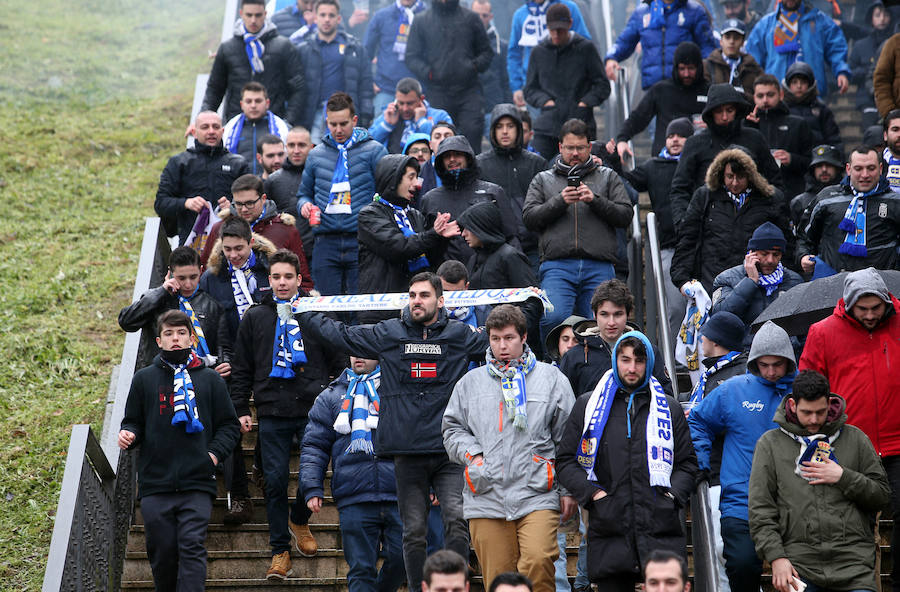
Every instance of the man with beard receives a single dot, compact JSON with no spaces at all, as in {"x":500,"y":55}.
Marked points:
{"x":739,"y":9}
{"x":891,"y":154}
{"x":681,"y":95}
{"x":825,"y":168}
{"x":269,"y":155}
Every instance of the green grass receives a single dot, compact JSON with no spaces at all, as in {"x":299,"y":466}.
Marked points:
{"x":94,"y":97}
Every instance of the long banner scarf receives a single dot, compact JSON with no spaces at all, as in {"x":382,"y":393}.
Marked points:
{"x":406,"y":16}
{"x":854,"y":224}
{"x":200,"y":230}
{"x":664,"y":153}
{"x":697,"y":393}
{"x":183,"y":401}
{"x":773,"y":280}
{"x":340,"y":180}
{"x":534,"y":28}
{"x":512,"y":382}
{"x":399,"y":300}
{"x":464,"y":314}
{"x":243,"y":284}
{"x":288,"y":350}
{"x":787,"y":27}
{"x":893,"y":169}
{"x":687,"y":344}
{"x":198,"y":341}
{"x":660,"y":450}
{"x":816,"y":448}
{"x":400,"y":217}
{"x":253,"y":47}
{"x":232,"y":141}
{"x":358,"y":415}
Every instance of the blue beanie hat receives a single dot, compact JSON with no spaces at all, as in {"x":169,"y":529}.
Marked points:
{"x":726,"y":329}
{"x":766,"y":238}
{"x":413,"y":138}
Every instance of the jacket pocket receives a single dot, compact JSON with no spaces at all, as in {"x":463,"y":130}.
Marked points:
{"x":477,"y":479}
{"x":606,"y":517}
{"x":543,"y":473}
{"x":548,"y":120}
{"x":664,"y":515}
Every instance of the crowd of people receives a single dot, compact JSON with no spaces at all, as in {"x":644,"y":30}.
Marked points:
{"x":408,"y":148}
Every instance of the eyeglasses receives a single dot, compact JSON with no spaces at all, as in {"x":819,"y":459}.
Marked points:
{"x":417,"y":151}
{"x":246,"y":204}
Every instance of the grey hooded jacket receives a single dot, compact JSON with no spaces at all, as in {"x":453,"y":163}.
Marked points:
{"x":518,"y":474}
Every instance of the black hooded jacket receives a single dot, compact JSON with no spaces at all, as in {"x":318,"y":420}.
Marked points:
{"x":669,"y":99}
{"x":384,"y":252}
{"x":654,"y":176}
{"x":863,"y":58}
{"x":812,"y":109}
{"x":459,"y":191}
{"x":700,"y":149}
{"x":567,"y":75}
{"x":495,"y":264}
{"x":790,"y":133}
{"x":512,"y":169}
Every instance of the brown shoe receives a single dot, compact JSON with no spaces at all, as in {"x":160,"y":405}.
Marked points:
{"x":240,"y":512}
{"x":281,"y":567}
{"x":303,"y":539}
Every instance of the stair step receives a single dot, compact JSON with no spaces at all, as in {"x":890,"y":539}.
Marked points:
{"x":328,"y":515}
{"x":291,"y":584}
{"x":245,"y":536}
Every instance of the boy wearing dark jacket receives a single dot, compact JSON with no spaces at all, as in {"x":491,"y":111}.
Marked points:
{"x":341,"y":426}
{"x":802,"y":97}
{"x":284,"y":372}
{"x":179,"y":413}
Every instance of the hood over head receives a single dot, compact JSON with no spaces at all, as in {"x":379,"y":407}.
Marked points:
{"x":716,"y":171}
{"x":687,"y":52}
{"x":651,"y":358}
{"x":483,"y":219}
{"x":456,"y":144}
{"x":507,"y":110}
{"x":445,"y":6}
{"x":865,"y":282}
{"x":388,"y":173}
{"x":771,"y":340}
{"x":413,"y":138}
{"x":835,"y":420}
{"x":723,"y":94}
{"x":551,"y":343}
{"x":800,"y":69}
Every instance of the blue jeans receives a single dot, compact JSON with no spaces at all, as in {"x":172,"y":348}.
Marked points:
{"x":435,"y":538}
{"x":364,"y":528}
{"x":382,"y":99}
{"x":335,"y":264}
{"x":569,"y":284}
{"x":742,"y":565}
{"x":276,"y":435}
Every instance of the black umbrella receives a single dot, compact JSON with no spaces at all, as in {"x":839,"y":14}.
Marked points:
{"x":810,"y":302}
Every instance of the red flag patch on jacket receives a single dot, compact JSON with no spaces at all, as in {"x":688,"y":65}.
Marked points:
{"x":423,"y":369}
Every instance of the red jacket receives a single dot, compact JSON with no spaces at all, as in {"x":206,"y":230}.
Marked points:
{"x":858,"y":366}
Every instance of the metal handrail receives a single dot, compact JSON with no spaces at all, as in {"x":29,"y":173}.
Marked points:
{"x":636,"y":264}
{"x":702,"y":537}
{"x":659,"y":275}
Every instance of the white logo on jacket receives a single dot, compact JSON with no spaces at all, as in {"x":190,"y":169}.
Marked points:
{"x":757,"y":406}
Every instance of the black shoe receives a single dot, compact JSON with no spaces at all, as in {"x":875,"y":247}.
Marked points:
{"x":240,"y":512}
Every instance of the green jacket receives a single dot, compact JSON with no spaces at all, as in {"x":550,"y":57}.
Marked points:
{"x":826,"y":531}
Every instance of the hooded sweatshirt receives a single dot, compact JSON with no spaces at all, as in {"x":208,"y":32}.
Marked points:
{"x":742,"y":409}
{"x":811,"y":108}
{"x":825,"y":530}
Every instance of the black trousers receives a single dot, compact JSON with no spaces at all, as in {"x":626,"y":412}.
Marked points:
{"x":742,"y":565}
{"x":466,"y":107}
{"x":175,"y":526}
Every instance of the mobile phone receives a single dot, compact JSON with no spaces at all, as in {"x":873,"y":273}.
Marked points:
{"x":573,"y":181}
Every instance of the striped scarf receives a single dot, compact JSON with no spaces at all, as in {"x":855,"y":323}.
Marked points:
{"x":406,"y":16}
{"x":402,"y":219}
{"x":739,"y":199}
{"x":700,"y":387}
{"x":733,"y":63}
{"x":664,"y":153}
{"x":787,"y":28}
{"x":183,"y":401}
{"x":359,"y":410}
{"x":854,"y":224}
{"x":534,"y":28}
{"x":198,"y":340}
{"x":254,"y":49}
{"x":231,"y":143}
{"x":773,"y":280}
{"x":288,"y":350}
{"x":512,"y":382}
{"x":243,"y":284}
{"x":340,"y":179}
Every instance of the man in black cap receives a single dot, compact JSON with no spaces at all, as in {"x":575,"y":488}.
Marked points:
{"x":681,"y":95}
{"x":746,"y":290}
{"x":565,"y":81}
{"x":825,"y":168}
{"x":729,"y":64}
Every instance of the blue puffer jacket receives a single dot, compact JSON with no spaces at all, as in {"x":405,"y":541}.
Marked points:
{"x":742,"y":408}
{"x":686,"y":20}
{"x":356,"y":477}
{"x":820,"y":40}
{"x":315,"y":184}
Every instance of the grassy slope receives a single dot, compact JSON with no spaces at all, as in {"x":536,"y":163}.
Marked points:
{"x":94,"y":97}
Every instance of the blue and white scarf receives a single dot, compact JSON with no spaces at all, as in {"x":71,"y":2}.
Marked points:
{"x":254,"y":48}
{"x":854,"y":224}
{"x":659,"y":433}
{"x":358,"y":415}
{"x":658,"y":10}
{"x":464,"y":314}
{"x":235,"y":138}
{"x":340,"y":180}
{"x":739,"y":199}
{"x":534,"y":28}
{"x":402,"y":219}
{"x":893,"y":169}
{"x":198,"y":341}
{"x":771,"y":281}
{"x":243,"y":284}
{"x":512,"y":382}
{"x":183,"y":401}
{"x":733,"y":63}
{"x":816,"y":448}
{"x":664,"y":153}
{"x":700,"y":387}
{"x":287,"y":351}
{"x":404,"y":22}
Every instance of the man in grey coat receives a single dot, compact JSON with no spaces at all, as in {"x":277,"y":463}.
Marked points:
{"x":504,"y":422}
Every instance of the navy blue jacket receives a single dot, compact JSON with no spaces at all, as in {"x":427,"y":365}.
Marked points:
{"x":356,"y":478}
{"x":379,"y":43}
{"x":357,"y":78}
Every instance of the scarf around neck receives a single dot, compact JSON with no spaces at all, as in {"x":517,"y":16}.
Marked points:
{"x":198,"y":340}
{"x":340,"y":179}
{"x":512,"y":382}
{"x":580,"y":170}
{"x":235,"y":137}
{"x":253,"y":47}
{"x":358,"y":415}
{"x":854,"y":223}
{"x":816,"y":448}
{"x":664,"y":153}
{"x":739,"y":199}
{"x":402,"y":219}
{"x":787,"y":29}
{"x":184,"y":402}
{"x":534,"y":28}
{"x":700,"y":387}
{"x":287,"y":350}
{"x":733,"y":63}
{"x":773,"y":280}
{"x":243,"y":284}
{"x":406,"y":14}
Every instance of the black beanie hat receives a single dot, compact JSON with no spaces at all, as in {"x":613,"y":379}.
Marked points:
{"x":681,"y":126}
{"x":766,"y":237}
{"x":726,"y":329}
{"x":687,"y":52}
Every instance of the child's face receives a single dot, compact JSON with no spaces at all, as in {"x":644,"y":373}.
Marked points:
{"x":798,"y":85}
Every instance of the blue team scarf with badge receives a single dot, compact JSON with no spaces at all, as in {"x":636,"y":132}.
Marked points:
{"x":534,"y":28}
{"x":854,"y":224}
{"x":512,"y":382}
{"x":700,"y":387}
{"x":243,"y":284}
{"x":287,"y":351}
{"x":358,"y":415}
{"x":787,"y":29}
{"x":339,"y":202}
{"x":739,"y":199}
{"x":664,"y":153}
{"x":183,"y":402}
{"x":235,"y":138}
{"x":200,"y":347}
{"x":402,"y":219}
{"x":658,"y":10}
{"x":892,"y":168}
{"x":816,"y":448}
{"x":404,"y":22}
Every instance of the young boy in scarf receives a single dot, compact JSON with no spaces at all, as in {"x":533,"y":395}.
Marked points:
{"x":817,"y":483}
{"x":342,"y":422}
{"x":284,"y":372}
{"x":511,"y":498}
{"x":626,"y":456}
{"x":179,"y":413}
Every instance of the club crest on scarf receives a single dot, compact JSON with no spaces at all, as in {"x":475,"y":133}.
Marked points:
{"x":243,"y":284}
{"x":198,"y":339}
{"x":287,"y":351}
{"x":339,"y":200}
{"x":404,"y":22}
{"x":184,"y":402}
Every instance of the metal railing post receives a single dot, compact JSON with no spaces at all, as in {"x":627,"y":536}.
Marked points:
{"x":706,"y":566}
{"x":666,"y":342}
{"x":636,"y":265}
